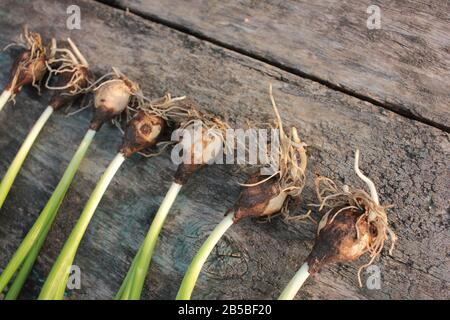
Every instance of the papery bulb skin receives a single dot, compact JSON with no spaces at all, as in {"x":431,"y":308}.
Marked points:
{"x":337,"y":241}
{"x":263,"y":199}
{"x":111,"y":99}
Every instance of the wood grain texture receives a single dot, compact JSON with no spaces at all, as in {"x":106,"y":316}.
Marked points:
{"x":405,"y":65}
{"x":408,"y":161}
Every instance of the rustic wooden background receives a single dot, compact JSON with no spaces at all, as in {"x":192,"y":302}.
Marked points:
{"x":384,"y":91}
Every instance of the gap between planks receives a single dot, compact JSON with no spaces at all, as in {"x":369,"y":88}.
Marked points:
{"x":396,"y":108}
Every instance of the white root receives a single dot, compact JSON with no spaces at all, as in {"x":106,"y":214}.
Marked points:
{"x":301,"y":149}
{"x":78,"y":53}
{"x":70,"y":54}
{"x":53,"y":48}
{"x":370,"y":184}
{"x":277,"y":114}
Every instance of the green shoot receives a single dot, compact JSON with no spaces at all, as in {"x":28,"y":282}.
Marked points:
{"x":4,"y":98}
{"x":17,"y":163}
{"x":28,"y":250}
{"x":191,"y":276}
{"x":125,"y":288}
{"x":134,"y":281}
{"x":295,"y":284}
{"x":58,"y":275}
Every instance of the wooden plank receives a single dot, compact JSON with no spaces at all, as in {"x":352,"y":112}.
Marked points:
{"x":405,"y":65}
{"x":407,"y":161}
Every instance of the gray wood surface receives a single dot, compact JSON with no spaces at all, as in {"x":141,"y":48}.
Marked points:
{"x":407,"y":160}
{"x":404,"y":66}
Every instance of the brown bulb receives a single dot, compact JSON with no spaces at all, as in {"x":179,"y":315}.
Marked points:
{"x":26,"y":72}
{"x":338,"y":240}
{"x":263,"y":199}
{"x":142,"y":132}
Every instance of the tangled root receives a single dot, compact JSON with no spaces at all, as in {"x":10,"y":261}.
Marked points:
{"x":292,"y":160}
{"x":69,"y":61}
{"x":373,"y":216}
{"x":292,"y":155}
{"x":183,"y":113}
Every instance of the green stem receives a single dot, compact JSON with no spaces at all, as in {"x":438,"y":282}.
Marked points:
{"x":295,"y":284}
{"x":62,"y":265}
{"x":15,"y":166}
{"x":22,"y":275}
{"x":191,"y":276}
{"x":32,"y":243}
{"x":61,"y":289}
{"x":139,"y":270}
{"x":125,"y":288}
{"x":4,"y":97}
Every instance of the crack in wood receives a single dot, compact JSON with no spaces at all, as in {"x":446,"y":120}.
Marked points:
{"x":396,"y":108}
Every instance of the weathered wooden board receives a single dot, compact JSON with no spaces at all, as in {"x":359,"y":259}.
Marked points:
{"x":405,"y":65}
{"x":406,"y":159}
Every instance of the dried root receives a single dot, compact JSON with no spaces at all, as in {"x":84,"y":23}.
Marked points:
{"x":69,"y":61}
{"x":369,"y":219}
{"x":288,"y":180}
{"x":72,"y":72}
{"x":292,"y":158}
{"x":167,"y":108}
{"x":269,"y":196}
